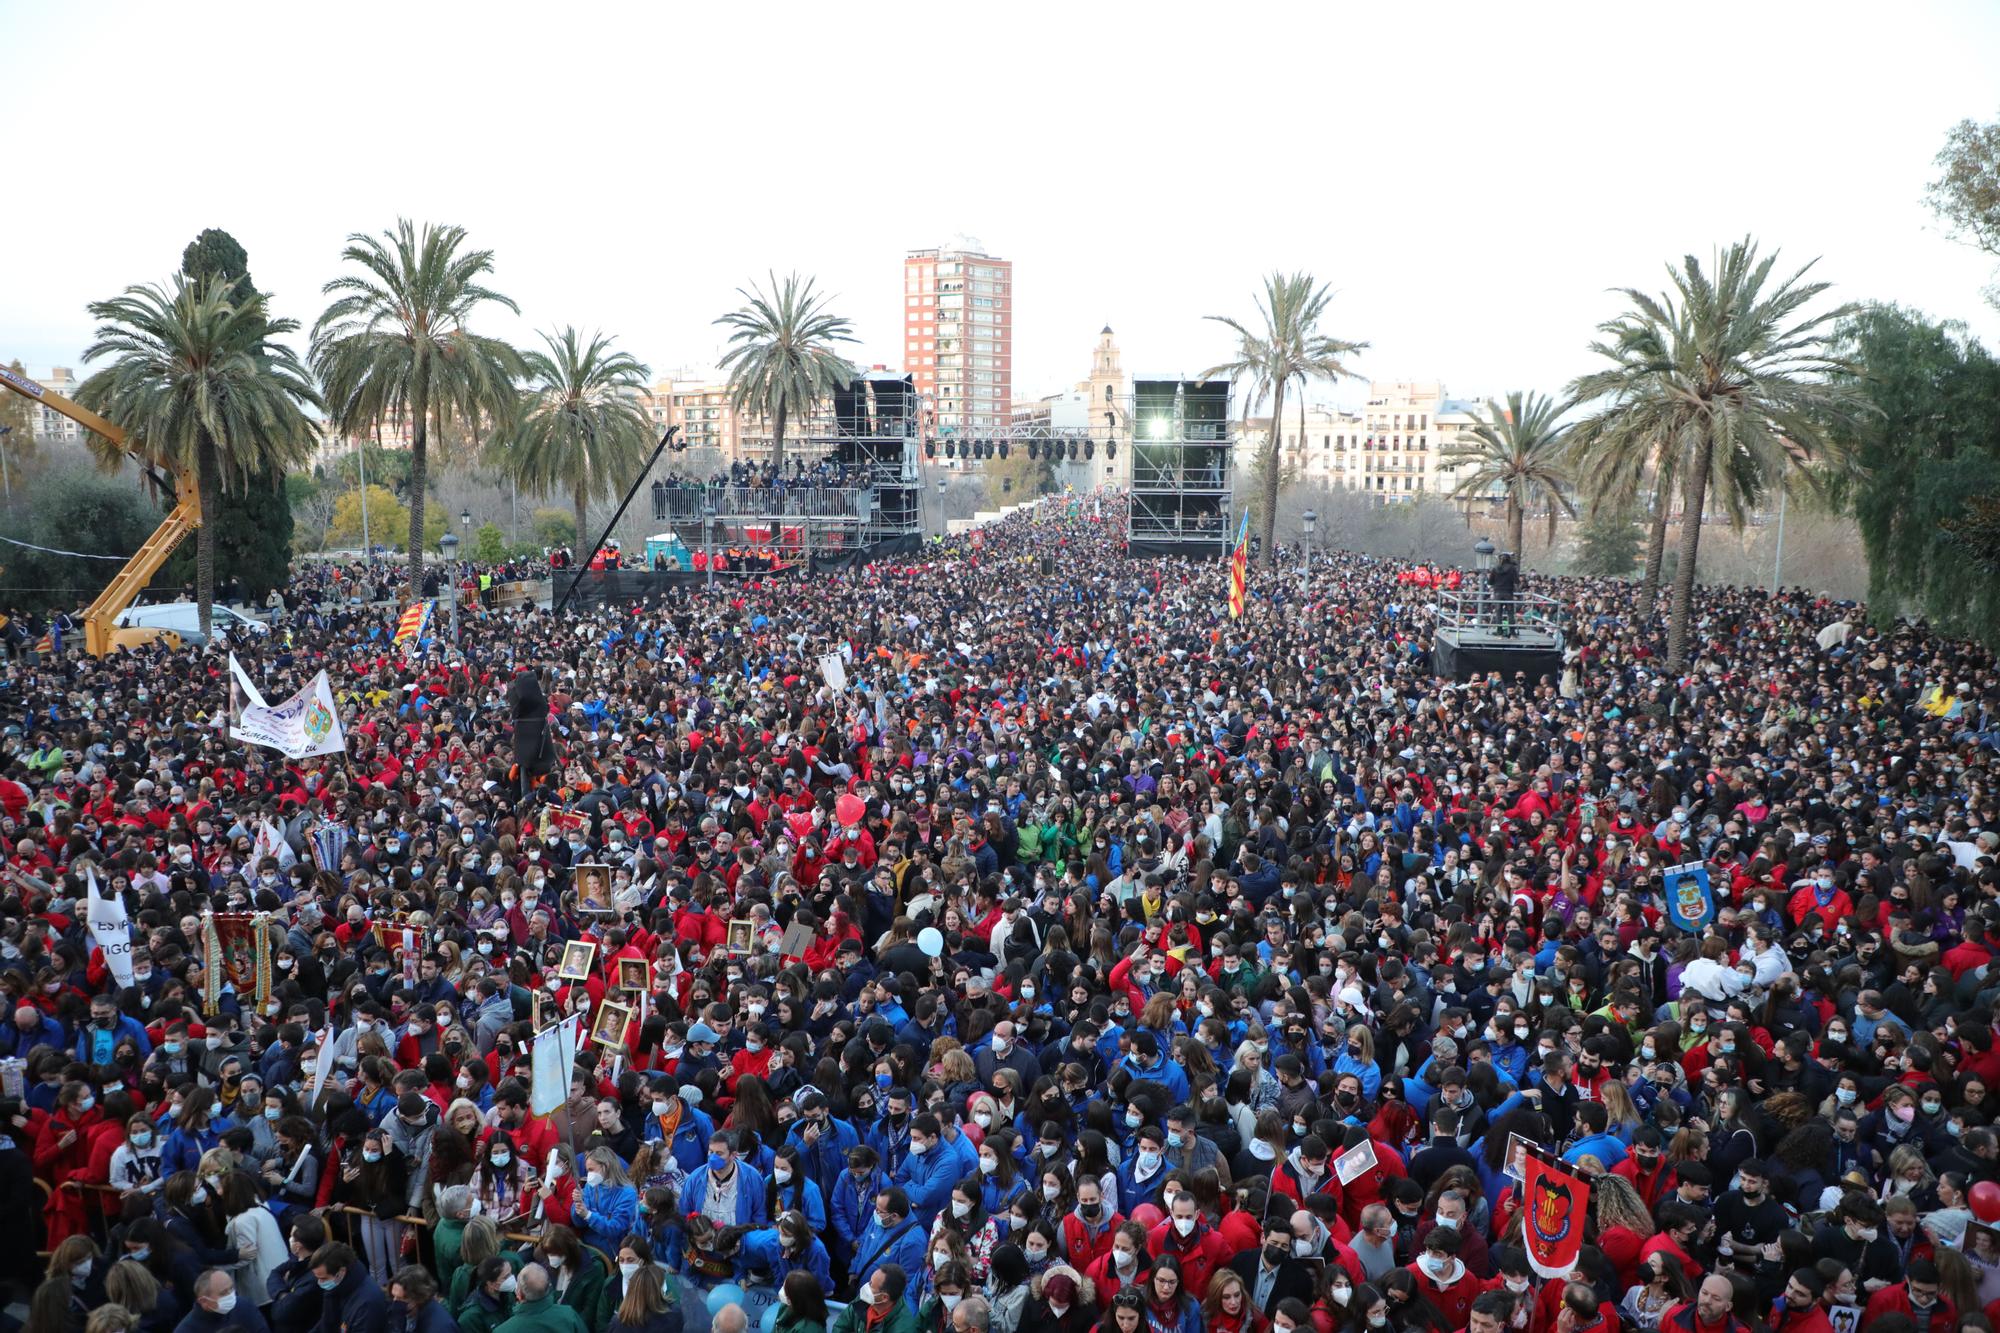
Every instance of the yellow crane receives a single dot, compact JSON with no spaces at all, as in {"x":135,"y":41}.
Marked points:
{"x":101,"y":633}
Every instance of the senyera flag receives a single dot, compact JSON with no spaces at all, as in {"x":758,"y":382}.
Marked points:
{"x":1555,"y":1201}
{"x":1239,"y":569}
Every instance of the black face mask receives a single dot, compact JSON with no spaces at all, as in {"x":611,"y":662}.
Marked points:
{"x":1274,"y":1254}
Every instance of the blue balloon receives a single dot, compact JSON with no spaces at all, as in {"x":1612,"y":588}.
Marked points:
{"x":770,"y":1319}
{"x":726,"y":1294}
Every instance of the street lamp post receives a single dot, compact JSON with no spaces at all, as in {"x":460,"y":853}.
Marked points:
{"x":708,"y":541}
{"x":941,"y":485}
{"x":449,"y":545}
{"x":1307,"y":522}
{"x":1482,"y":562}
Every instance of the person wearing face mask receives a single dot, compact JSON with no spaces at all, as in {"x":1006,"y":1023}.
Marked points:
{"x":63,"y":1151}
{"x":770,"y":1255}
{"x":1853,"y":1236}
{"x":1269,"y":1270}
{"x":1919,"y":1297}
{"x":1444,"y":1280}
{"x":671,"y":1118}
{"x":217,"y":1306}
{"x":1186,"y":1237}
{"x":1060,"y":1300}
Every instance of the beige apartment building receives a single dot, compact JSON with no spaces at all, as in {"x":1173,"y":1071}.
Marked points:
{"x":958,"y":337}
{"x":51,"y":426}
{"x":700,"y":407}
{"x":1392,"y":449}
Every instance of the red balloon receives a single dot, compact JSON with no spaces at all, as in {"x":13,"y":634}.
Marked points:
{"x":1985,"y":1200}
{"x":849,"y":809}
{"x":800,"y":824}
{"x":1148,"y":1215}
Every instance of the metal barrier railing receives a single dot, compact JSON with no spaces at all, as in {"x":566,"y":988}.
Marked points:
{"x":1476,"y":608}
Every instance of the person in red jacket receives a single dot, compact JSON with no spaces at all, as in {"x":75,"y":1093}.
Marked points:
{"x":1919,"y":1296}
{"x":1708,"y":1312}
{"x":1087,"y":1229}
{"x":1797,"y":1309}
{"x":62,"y":1153}
{"x":1194,"y":1244}
{"x":1581,"y":1311}
{"x":1969,"y":954}
{"x":1445,"y":1281}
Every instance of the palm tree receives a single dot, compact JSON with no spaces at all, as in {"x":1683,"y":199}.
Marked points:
{"x":1289,"y":347}
{"x":198,"y":384}
{"x":1731,"y":378}
{"x":396,"y":345}
{"x":1633,"y":440}
{"x":780,"y":358}
{"x":580,"y":428}
{"x":1520,"y":450}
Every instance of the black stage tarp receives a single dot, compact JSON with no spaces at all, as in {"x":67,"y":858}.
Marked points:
{"x":1462,"y":656}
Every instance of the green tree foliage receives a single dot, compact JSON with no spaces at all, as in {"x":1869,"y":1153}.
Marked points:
{"x":489,"y":546}
{"x":253,"y":521}
{"x":580,"y":428}
{"x":1608,"y":544}
{"x":1932,"y":445}
{"x":197,"y":380}
{"x":74,"y":510}
{"x":388,"y":518}
{"x":1749,"y":382}
{"x":1966,"y":194}
{"x":555,"y":527}
{"x":781,"y":358}
{"x":1519,"y":451}
{"x":1284,"y":345}
{"x":396,"y":343}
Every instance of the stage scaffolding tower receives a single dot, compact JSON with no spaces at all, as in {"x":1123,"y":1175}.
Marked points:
{"x":1181,"y":497}
{"x":851,"y":488}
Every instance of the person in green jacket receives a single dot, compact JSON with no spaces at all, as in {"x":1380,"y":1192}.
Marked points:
{"x":491,"y":1301}
{"x":479,"y":1240}
{"x":884,"y":1293}
{"x":536,"y":1309}
{"x":801,"y":1305}
{"x":448,"y":1236}
{"x":577,"y":1273}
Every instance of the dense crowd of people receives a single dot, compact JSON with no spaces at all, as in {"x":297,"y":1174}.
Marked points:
{"x":991,"y":950}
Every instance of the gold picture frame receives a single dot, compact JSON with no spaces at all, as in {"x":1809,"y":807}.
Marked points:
{"x":610,"y":1024}
{"x":633,"y":975}
{"x":742,"y":935}
{"x":593,"y":888}
{"x":578,"y":957}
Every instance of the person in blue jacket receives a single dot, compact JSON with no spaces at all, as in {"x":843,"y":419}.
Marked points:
{"x":890,"y":1135}
{"x":606,"y":1206}
{"x":769,"y":1255}
{"x":669,"y":1114}
{"x":823,"y":1143}
{"x":723,"y":1172}
{"x":892,"y":1236}
{"x":853,"y":1200}
{"x":792,"y":1190}
{"x":928,"y":1171}
{"x":96,"y":1043}
{"x":1146,"y":1062}
{"x":31,"y":1028}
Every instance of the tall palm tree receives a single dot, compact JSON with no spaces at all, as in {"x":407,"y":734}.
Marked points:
{"x":1288,"y":347}
{"x":1633,"y":442}
{"x":580,"y":428}
{"x":396,"y":344}
{"x":1520,"y":450}
{"x":198,"y":384}
{"x":781,"y":358}
{"x":1735,"y":378}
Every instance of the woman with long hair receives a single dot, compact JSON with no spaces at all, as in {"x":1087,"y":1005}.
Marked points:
{"x":1662,"y":1284}
{"x":253,"y":1232}
{"x":1227,"y":1307}
{"x":646,"y":1301}
{"x":1623,"y":1225}
{"x":63,"y":1300}
{"x":967,"y":1219}
{"x":802,"y":1305}
{"x":606,"y":1205}
{"x":1169,"y":1308}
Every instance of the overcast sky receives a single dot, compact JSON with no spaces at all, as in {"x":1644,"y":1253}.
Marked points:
{"x":1470,"y":179}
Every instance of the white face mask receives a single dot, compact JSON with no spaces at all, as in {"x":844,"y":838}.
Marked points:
{"x":224,"y":1304}
{"x":960,"y":1208}
{"x":939,"y":1258}
{"x":628,"y":1270}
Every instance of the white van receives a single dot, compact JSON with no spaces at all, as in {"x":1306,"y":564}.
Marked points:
{"x":184,"y":619}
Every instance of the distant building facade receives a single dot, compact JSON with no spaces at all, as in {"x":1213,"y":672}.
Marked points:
{"x":1393,"y":449}
{"x":958,"y":338}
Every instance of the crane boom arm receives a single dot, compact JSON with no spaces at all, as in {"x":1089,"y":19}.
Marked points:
{"x":101,"y":617}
